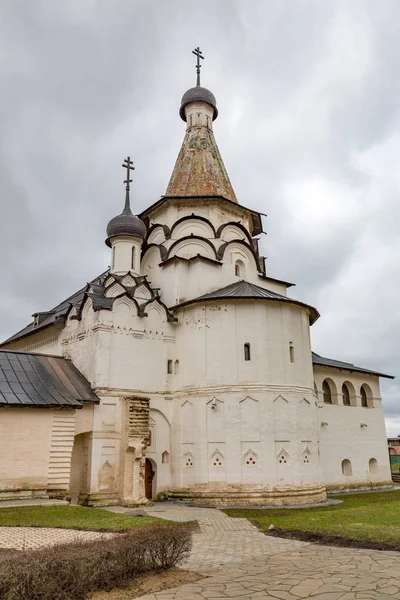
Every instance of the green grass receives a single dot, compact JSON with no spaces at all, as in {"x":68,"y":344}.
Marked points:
{"x":72,"y":517}
{"x":374,"y":517}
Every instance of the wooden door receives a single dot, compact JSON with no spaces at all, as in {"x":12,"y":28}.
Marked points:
{"x":148,"y":477}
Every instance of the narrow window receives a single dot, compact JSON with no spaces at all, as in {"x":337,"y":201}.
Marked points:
{"x":326,"y":391}
{"x":208,"y":121}
{"x":239,"y":269}
{"x":345,"y":395}
{"x":133,"y":258}
{"x":113,"y":258}
{"x":364,"y":397}
{"x":165,"y":457}
{"x":291,"y":353}
{"x":190,"y":121}
{"x":346,"y":468}
{"x":177,"y":367}
{"x":247,"y":352}
{"x":169,"y":367}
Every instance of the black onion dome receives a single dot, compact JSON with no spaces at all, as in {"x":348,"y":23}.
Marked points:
{"x":198,"y":94}
{"x":126,"y":224}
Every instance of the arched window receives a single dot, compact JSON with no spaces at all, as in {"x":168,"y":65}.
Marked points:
{"x":239,"y":269}
{"x":364,"y":397}
{"x":113,"y":258}
{"x":247,"y":352}
{"x":165,"y":457}
{"x":373,"y":465}
{"x":326,"y":392}
{"x":133,"y":258}
{"x":346,"y":395}
{"x":346,"y":468}
{"x":169,"y":367}
{"x":177,"y":367}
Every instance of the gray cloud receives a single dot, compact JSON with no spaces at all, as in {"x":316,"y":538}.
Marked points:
{"x":308,"y":128}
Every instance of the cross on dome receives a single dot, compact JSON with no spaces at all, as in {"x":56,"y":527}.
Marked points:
{"x":128,"y":165}
{"x":197,"y":52}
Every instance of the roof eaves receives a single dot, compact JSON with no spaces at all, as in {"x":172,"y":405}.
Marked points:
{"x":322,"y":361}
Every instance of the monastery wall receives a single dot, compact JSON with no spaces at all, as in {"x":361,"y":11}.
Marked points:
{"x":354,"y":434}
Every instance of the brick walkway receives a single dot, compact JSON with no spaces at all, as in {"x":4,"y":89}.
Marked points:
{"x":29,"y":538}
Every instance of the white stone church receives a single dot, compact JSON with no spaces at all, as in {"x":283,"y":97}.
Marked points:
{"x":185,"y":368}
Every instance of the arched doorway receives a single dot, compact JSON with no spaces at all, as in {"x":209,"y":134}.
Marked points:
{"x":149,"y":473}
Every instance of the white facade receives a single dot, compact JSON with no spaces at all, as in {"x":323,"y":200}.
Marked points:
{"x":220,"y":395}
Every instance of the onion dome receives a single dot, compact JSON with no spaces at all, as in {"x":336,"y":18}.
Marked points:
{"x":126,"y":223}
{"x":198,"y":94}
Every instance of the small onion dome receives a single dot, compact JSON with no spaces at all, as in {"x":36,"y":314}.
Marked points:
{"x":126,"y":224}
{"x":198,"y":94}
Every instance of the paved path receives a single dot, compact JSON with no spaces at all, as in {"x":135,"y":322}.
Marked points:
{"x":240,"y":562}
{"x":221,"y":540}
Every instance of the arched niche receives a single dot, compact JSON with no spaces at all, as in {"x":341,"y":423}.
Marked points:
{"x":156,"y":235}
{"x":233,"y":231}
{"x":347,"y":469}
{"x":192,"y":246}
{"x":196,"y":226}
{"x":150,"y":259}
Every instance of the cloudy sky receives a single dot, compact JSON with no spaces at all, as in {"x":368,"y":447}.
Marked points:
{"x":309,"y":128}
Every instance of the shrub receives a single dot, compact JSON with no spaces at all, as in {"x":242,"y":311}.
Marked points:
{"x":71,"y":571}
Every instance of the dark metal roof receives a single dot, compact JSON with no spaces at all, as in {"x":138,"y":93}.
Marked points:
{"x":198,"y":94}
{"x":126,"y":224}
{"x":42,"y":381}
{"x":243,"y":290}
{"x":337,"y":364}
{"x":56,"y":314}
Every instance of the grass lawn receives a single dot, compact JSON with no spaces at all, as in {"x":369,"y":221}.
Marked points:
{"x":72,"y":517}
{"x":374,"y":517}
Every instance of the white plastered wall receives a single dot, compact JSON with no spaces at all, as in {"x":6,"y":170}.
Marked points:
{"x":355,"y":433}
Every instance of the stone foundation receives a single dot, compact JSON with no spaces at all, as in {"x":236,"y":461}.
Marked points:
{"x":238,"y":496}
{"x":99,"y":499}
{"x":362,"y":486}
{"x":6,"y":495}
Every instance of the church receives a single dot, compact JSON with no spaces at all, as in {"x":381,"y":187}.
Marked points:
{"x":185,"y":370}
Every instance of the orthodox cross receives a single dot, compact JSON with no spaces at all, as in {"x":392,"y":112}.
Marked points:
{"x":128,"y":165}
{"x":197,"y":52}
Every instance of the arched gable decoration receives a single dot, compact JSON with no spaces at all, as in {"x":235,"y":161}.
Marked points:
{"x":191,"y":238}
{"x":237,"y":224}
{"x":190,"y":217}
{"x":162,"y":250}
{"x":165,"y":228}
{"x":221,"y":251}
{"x":160,"y":305}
